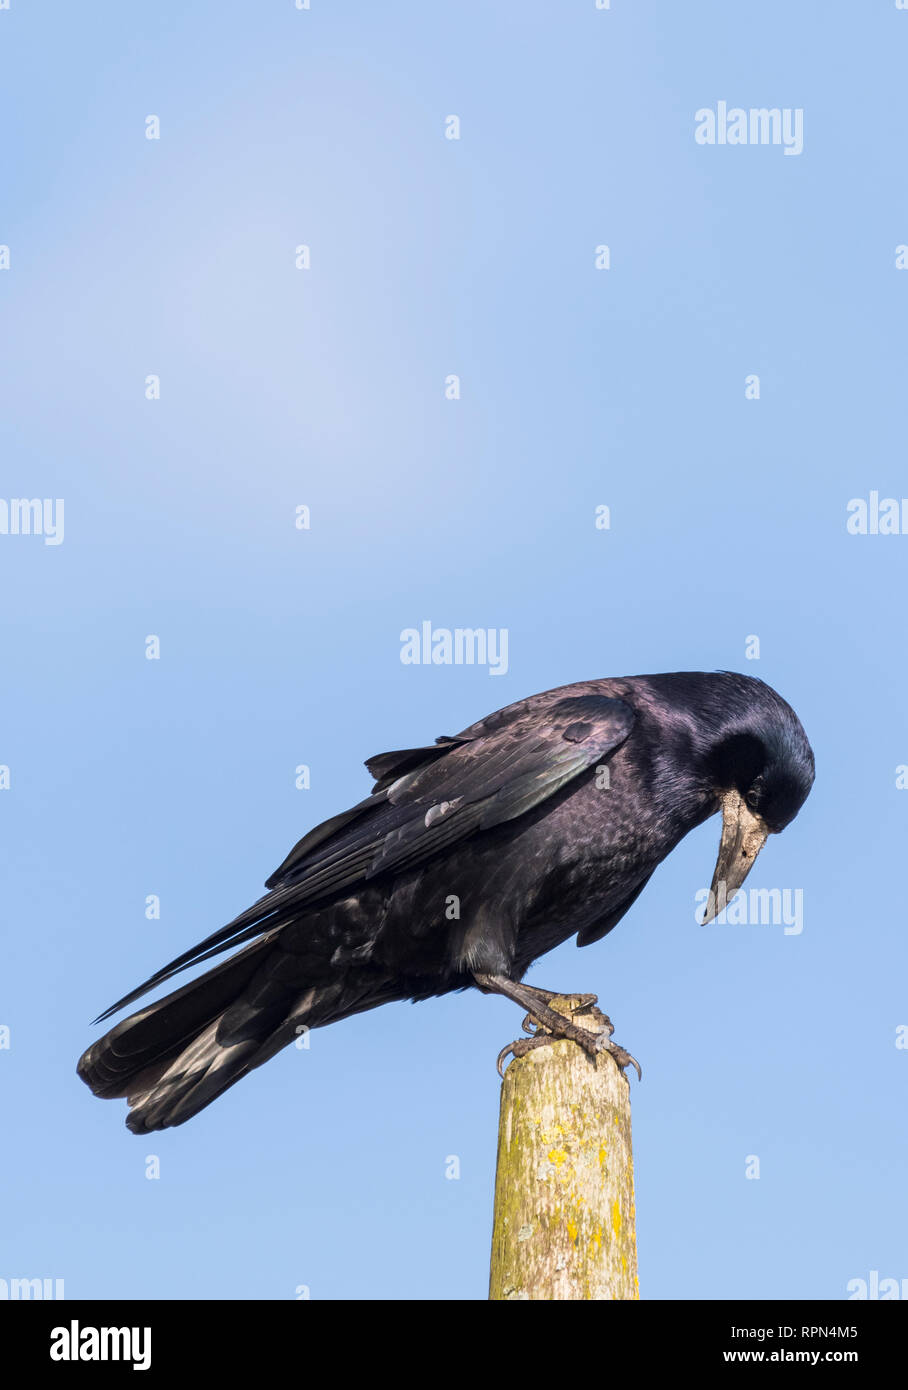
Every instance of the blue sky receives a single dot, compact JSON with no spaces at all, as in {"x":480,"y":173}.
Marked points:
{"x":325,"y":387}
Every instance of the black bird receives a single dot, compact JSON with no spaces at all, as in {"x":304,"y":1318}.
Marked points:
{"x":472,"y":857}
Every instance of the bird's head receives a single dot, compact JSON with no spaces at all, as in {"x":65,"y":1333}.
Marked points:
{"x":761,"y":771}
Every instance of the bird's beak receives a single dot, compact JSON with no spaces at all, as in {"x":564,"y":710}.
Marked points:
{"x":744,"y":834}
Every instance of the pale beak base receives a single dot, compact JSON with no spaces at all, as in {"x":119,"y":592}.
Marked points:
{"x":744,"y":833}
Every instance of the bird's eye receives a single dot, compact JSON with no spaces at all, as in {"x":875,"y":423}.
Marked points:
{"x":753,"y":799}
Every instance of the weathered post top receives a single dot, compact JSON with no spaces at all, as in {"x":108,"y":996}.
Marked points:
{"x":564,"y":1224}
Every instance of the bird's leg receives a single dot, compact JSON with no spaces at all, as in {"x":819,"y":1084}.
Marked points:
{"x":552,"y":1025}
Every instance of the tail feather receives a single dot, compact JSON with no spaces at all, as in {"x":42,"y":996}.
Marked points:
{"x":174,"y":1057}
{"x":192,"y":1080}
{"x":160,"y":1030}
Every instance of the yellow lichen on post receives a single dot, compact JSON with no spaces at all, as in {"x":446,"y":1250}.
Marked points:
{"x":564,"y":1225}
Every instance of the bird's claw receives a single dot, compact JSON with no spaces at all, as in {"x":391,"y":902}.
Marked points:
{"x":521,"y":1046}
{"x":624,"y":1059}
{"x":592,"y":1043}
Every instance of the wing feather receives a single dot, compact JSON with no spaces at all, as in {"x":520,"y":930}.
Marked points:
{"x":425,"y":801}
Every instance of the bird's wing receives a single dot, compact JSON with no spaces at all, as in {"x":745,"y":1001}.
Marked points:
{"x":498,"y":776}
{"x":448,"y":792}
{"x":386,"y":768}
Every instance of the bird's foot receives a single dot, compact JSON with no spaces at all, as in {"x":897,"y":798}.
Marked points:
{"x":558,"y":1025}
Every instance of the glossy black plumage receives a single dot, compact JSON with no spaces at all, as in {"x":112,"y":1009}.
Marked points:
{"x":474,"y":855}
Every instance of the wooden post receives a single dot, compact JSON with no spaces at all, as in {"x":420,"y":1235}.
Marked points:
{"x":564,"y":1224}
